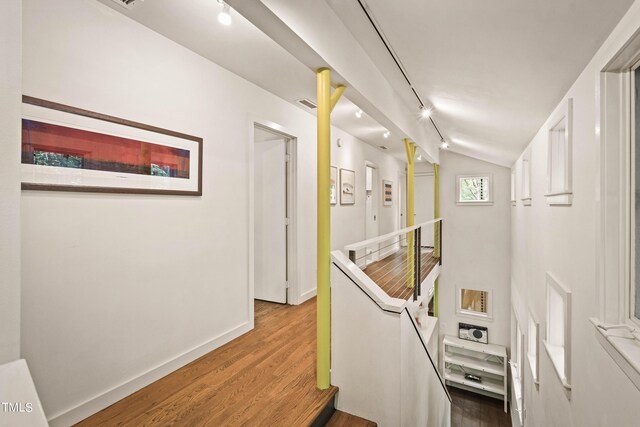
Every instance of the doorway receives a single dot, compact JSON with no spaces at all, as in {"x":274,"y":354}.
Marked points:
{"x":272,"y":207}
{"x":424,"y":207}
{"x":372,"y":191}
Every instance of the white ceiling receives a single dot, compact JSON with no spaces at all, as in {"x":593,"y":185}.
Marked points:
{"x":493,"y":69}
{"x":246,"y":51}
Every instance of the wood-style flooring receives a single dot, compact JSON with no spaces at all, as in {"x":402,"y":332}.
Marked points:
{"x":474,"y":410}
{"x":342,"y":419}
{"x":390,"y":273}
{"x":264,"y":378}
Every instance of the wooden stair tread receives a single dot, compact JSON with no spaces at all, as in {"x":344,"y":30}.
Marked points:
{"x":342,"y":419}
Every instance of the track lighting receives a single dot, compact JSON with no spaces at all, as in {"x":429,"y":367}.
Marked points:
{"x":425,"y":112}
{"x":444,"y":145}
{"x":386,"y":134}
{"x":224,"y":16}
{"x":359,"y":114}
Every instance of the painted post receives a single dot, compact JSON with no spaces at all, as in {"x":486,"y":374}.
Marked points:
{"x":326,"y":102}
{"x":436,"y":231}
{"x":410,"y":148}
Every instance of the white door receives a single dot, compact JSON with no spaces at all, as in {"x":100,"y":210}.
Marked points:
{"x":423,"y":205}
{"x":371,"y":211}
{"x":270,"y":217}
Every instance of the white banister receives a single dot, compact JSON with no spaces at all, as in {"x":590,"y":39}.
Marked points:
{"x":375,"y":240}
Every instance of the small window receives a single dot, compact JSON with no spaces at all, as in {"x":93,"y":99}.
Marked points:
{"x":558,"y":342}
{"x":513,"y":187}
{"x":559,"y":158}
{"x":516,"y":362}
{"x":526,"y":181}
{"x":634,"y":288}
{"x":474,"y":190}
{"x":533,"y":336}
{"x":474,"y":302}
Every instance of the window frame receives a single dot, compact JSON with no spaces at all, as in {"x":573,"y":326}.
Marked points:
{"x":630,"y":223}
{"x":563,"y":196}
{"x":516,"y":360}
{"x":563,"y":372}
{"x":526,"y":179}
{"x":615,"y":330}
{"x":533,"y":333}
{"x":487,"y":202}
{"x":488,"y":316}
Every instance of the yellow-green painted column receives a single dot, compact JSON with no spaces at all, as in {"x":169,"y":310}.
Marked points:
{"x":410,"y":148}
{"x":436,"y":230}
{"x":326,"y":102}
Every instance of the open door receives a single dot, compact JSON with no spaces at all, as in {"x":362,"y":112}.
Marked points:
{"x":270,"y":216}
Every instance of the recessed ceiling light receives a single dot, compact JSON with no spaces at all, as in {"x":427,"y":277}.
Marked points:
{"x":224,"y":16}
{"x":386,"y":134}
{"x":359,"y":113}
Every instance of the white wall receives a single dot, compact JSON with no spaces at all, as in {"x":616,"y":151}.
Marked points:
{"x":348,"y":221}
{"x":10,"y":94}
{"x":121,"y":289}
{"x":475,"y":246}
{"x":562,"y":240}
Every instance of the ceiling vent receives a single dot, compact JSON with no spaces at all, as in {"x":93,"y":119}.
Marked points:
{"x":382,"y":147}
{"x":129,"y":4}
{"x":307,"y":103}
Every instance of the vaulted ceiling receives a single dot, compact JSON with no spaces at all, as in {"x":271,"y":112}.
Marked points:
{"x":492,"y":69}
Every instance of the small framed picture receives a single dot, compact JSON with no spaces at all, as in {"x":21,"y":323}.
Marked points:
{"x":334,"y":185}
{"x":347,"y":187}
{"x":387,"y":193}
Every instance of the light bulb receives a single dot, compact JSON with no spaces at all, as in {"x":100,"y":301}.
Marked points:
{"x":359,"y":113}
{"x":386,"y":134}
{"x":425,"y":112}
{"x":444,"y":145}
{"x":224,"y":17}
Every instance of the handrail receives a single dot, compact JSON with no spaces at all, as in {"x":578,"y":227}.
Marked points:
{"x":384,"y":237}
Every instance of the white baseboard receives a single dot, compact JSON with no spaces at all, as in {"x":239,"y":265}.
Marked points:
{"x":109,"y":397}
{"x":308,"y":295}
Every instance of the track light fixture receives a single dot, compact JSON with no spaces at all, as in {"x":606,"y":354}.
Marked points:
{"x":425,"y":112}
{"x":359,"y":114}
{"x":444,"y":145}
{"x":224,"y":16}
{"x":386,"y":134}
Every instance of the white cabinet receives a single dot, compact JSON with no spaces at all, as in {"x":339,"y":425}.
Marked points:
{"x":486,"y":361}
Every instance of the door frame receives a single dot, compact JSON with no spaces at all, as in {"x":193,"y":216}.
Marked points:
{"x":376,"y":191}
{"x":292,"y":291}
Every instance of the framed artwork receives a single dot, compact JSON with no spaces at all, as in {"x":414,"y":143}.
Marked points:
{"x":70,"y":149}
{"x":334,"y":185}
{"x":387,"y":193}
{"x":347,"y":187}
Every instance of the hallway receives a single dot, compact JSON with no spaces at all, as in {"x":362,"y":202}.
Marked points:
{"x":264,"y":378}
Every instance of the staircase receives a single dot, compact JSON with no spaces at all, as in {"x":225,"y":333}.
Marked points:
{"x":330,"y":417}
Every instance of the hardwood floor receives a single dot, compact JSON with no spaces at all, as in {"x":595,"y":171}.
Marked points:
{"x":474,"y":410}
{"x":264,"y":378}
{"x":342,"y":419}
{"x":390,"y":273}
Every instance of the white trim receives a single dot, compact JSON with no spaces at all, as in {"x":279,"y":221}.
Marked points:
{"x":91,"y":406}
{"x":564,"y":195}
{"x":526,"y":180}
{"x":307,"y":295}
{"x":534,"y":359}
{"x":488,"y":316}
{"x":560,"y":355}
{"x":487,"y":202}
{"x":294,"y":291}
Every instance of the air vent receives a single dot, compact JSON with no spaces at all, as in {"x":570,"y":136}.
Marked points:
{"x":307,"y":103}
{"x":382,"y":147}
{"x":129,"y":4}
